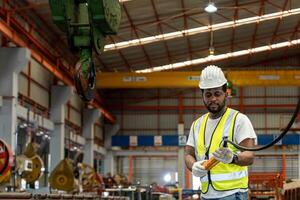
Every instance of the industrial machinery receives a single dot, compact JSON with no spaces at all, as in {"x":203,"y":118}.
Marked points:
{"x":121,"y":180}
{"x":73,"y":176}
{"x":91,"y":180}
{"x":86,"y":23}
{"x":6,"y":162}
{"x":62,"y":177}
{"x":29,"y":165}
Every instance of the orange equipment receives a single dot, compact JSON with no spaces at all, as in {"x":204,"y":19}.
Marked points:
{"x":266,"y":184}
{"x":210,"y":163}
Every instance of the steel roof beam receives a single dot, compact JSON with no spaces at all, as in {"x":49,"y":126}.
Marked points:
{"x":235,"y":17}
{"x":219,"y":57}
{"x":260,"y":12}
{"x":186,"y":27}
{"x":236,"y":44}
{"x":203,"y":29}
{"x":161,"y":32}
{"x":181,"y":15}
{"x":137,"y":35}
{"x":274,"y":35}
{"x":122,"y":56}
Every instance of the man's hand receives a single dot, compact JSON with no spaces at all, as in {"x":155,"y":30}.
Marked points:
{"x":198,"y":170}
{"x":224,"y":155}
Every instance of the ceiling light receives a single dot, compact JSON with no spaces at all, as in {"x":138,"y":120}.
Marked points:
{"x":212,"y":58}
{"x":211,"y":8}
{"x":202,"y":29}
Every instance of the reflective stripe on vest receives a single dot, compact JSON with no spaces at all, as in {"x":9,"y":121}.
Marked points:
{"x":222,"y":176}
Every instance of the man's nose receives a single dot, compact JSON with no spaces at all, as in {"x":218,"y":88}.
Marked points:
{"x":213,"y":98}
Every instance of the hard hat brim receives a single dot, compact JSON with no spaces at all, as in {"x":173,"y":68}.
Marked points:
{"x":212,"y":86}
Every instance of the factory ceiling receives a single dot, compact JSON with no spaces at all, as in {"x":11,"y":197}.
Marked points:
{"x":162,"y":35}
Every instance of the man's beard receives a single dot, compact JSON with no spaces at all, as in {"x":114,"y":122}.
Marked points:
{"x":215,"y":110}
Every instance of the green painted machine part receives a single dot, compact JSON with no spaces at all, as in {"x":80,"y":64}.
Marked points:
{"x":230,"y":90}
{"x":86,"y":23}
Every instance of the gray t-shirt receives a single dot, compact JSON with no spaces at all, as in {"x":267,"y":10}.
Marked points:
{"x":243,"y":130}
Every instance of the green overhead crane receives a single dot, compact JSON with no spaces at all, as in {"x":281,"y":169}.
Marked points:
{"x":86,"y":23}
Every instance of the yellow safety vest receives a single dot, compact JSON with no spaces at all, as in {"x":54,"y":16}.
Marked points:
{"x":222,"y":177}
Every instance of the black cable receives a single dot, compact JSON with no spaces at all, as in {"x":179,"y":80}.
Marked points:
{"x":275,"y":140}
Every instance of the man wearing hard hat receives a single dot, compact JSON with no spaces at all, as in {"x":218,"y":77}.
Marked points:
{"x":228,"y":179}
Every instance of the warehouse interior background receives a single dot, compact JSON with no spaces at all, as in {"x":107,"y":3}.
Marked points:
{"x":147,"y":93}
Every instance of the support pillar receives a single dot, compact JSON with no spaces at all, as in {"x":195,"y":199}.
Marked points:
{"x":181,"y":163}
{"x":59,"y":96}
{"x":89,"y":117}
{"x":12,"y":61}
{"x":109,"y":158}
{"x":298,"y":161}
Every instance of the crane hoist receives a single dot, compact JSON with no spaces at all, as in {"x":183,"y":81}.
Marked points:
{"x":87,"y":23}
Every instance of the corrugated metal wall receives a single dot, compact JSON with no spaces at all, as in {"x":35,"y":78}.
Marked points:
{"x":269,"y":109}
{"x":149,"y":170}
{"x":37,"y":90}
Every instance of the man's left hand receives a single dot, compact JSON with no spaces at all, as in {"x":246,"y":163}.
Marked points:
{"x":224,"y":155}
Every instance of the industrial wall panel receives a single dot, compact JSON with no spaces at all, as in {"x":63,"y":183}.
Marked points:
{"x":146,"y":103}
{"x":193,"y":92}
{"x":233,"y":101}
{"x":292,"y":167}
{"x":73,"y":111}
{"x":168,"y":121}
{"x":140,"y":121}
{"x":39,"y":95}
{"x":274,"y":164}
{"x":271,"y":164}
{"x":285,"y":119}
{"x":141,"y":132}
{"x":22,"y":84}
{"x":273,"y":120}
{"x":258,"y":120}
{"x":168,"y":102}
{"x":40,"y":74}
{"x":190,"y":101}
{"x":75,"y":117}
{"x":199,"y":102}
{"x":149,"y":170}
{"x":66,"y":111}
{"x":118,"y":118}
{"x":282,"y":101}
{"x":254,"y":101}
{"x":259,"y":131}
{"x":282,"y":91}
{"x":76,"y":102}
{"x":99,"y":132}
{"x":254,"y":91}
{"x":188,"y":120}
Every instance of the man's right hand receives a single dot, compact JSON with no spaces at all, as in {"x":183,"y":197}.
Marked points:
{"x":198,"y":170}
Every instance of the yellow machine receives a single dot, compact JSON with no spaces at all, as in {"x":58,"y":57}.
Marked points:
{"x":62,"y":177}
{"x":29,"y":165}
{"x":77,"y":177}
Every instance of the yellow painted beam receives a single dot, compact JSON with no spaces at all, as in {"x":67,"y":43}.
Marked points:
{"x":190,"y":79}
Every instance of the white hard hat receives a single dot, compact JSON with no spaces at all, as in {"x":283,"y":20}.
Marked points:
{"x":211,"y":77}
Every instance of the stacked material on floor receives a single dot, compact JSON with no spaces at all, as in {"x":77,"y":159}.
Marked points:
{"x":28,"y":196}
{"x":292,"y":190}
